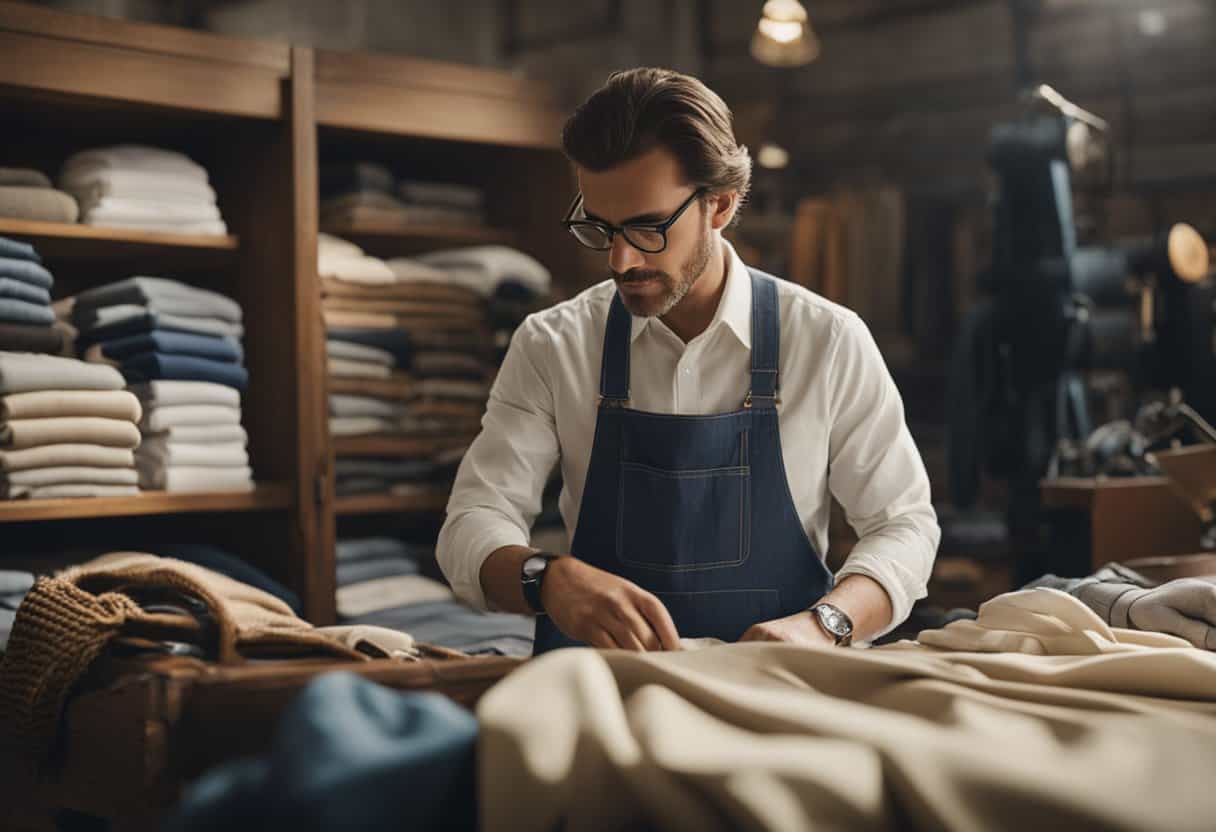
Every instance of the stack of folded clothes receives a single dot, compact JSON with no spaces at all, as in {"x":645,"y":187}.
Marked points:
{"x":14,"y":584}
{"x":379,"y":584}
{"x":26,"y":194}
{"x":192,"y":437}
{"x":27,"y":321}
{"x":67,"y":429}
{"x":149,"y":188}
{"x":366,"y":193}
{"x":153,"y":328}
{"x":386,"y":475}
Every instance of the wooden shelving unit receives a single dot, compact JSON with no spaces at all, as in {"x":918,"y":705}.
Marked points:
{"x":88,"y":242}
{"x":265,"y":497}
{"x":380,"y":236}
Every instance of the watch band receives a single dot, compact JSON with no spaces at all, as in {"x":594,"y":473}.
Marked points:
{"x":532,"y":576}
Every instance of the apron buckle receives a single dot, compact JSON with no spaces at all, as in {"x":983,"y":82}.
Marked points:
{"x":747,"y":402}
{"x":608,"y":401}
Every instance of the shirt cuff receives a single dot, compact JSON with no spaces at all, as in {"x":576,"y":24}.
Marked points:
{"x":467,"y":583}
{"x":901,"y":588}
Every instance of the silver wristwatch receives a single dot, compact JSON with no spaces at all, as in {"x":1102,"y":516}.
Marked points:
{"x":835,"y":623}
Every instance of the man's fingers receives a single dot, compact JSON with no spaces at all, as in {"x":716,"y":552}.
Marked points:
{"x":660,"y":620}
{"x":638,"y":628}
{"x":623,"y":634}
{"x":602,"y":638}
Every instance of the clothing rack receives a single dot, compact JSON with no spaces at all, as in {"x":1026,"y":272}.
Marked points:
{"x":260,"y":116}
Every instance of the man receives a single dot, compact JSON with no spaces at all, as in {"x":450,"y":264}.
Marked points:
{"x":703,"y":416}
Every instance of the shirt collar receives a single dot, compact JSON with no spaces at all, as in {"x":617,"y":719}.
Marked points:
{"x":735,"y":307}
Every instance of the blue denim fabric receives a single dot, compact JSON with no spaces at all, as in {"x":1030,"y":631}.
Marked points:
{"x":348,"y":754}
{"x":167,"y":341}
{"x":149,"y":366}
{"x":697,"y":509}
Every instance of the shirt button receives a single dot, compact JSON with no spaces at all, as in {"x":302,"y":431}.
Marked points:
{"x":687,"y":371}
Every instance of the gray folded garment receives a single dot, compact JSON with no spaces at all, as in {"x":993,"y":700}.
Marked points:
{"x":160,"y":295}
{"x":39,"y":204}
{"x":200,"y":434}
{"x":21,"y":483}
{"x":359,"y":352}
{"x":371,"y":548}
{"x":157,"y":451}
{"x":353,"y":572}
{"x":159,"y":419}
{"x":66,"y":455}
{"x":48,"y":404}
{"x":170,"y":393}
{"x":24,"y":177}
{"x":17,"y":311}
{"x":89,"y":319}
{"x":353,"y":486}
{"x":83,"y":489}
{"x":195,"y":478}
{"x":346,"y":368}
{"x":20,"y":290}
{"x":344,"y":405}
{"x":441,"y":193}
{"x":23,"y":372}
{"x":18,"y":434}
{"x":388,"y":469}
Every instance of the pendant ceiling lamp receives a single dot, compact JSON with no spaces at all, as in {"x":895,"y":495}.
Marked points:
{"x":784,"y":37}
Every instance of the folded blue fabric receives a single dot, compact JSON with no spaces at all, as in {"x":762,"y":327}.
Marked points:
{"x":17,"y":250}
{"x":161,"y":295}
{"x":10,"y":288}
{"x":219,"y":560}
{"x":358,"y":571}
{"x":149,"y":366}
{"x":137,"y":325}
{"x":371,"y":548}
{"x":23,"y":312}
{"x":395,"y":341}
{"x":348,"y":754}
{"x":27,"y":271}
{"x":169,"y":342}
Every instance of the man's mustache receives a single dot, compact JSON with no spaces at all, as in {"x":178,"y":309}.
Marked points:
{"x":636,"y":276}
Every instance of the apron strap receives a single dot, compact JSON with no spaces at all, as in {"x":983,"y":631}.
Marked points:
{"x":614,"y":367}
{"x":765,"y":393}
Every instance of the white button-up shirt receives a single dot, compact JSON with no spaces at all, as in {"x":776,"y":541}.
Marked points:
{"x":841,"y":423}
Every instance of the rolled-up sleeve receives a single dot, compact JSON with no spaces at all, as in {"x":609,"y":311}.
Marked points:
{"x":877,"y":474}
{"x":498,"y":488}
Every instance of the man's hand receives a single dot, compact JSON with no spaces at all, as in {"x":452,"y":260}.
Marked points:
{"x":799,"y":628}
{"x":605,"y":610}
{"x":1185,"y":607}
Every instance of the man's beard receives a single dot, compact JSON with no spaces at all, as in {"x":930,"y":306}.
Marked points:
{"x":674,"y":289}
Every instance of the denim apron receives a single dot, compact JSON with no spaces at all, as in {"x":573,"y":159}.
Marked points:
{"x":696,"y":509}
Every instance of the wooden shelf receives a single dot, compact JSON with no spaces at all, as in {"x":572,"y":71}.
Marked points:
{"x":396,"y":445}
{"x":390,"y":237}
{"x":392,"y":503}
{"x":266,"y":497}
{"x":56,"y":240}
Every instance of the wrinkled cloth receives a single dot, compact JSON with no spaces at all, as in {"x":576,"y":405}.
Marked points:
{"x":160,"y":295}
{"x":159,"y":418}
{"x":38,"y":204}
{"x":168,"y":393}
{"x":68,"y":455}
{"x":775,"y":736}
{"x":194,"y":478}
{"x":18,"y":434}
{"x":347,"y":754}
{"x":46,"y":404}
{"x":26,"y":268}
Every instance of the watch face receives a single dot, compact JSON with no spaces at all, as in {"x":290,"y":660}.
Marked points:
{"x":834,"y":622}
{"x":534,"y":565}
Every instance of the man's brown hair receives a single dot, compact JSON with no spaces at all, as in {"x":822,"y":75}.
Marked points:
{"x":638,"y":109}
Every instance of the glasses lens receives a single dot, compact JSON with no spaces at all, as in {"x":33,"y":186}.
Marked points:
{"x":646,"y":239}
{"x":590,"y":235}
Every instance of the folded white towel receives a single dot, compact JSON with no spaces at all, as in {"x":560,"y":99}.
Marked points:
{"x":192,"y":478}
{"x":210,"y":228}
{"x":335,"y":247}
{"x":132,"y":157}
{"x":200,"y":434}
{"x":73,"y":474}
{"x":89,"y":186}
{"x":158,"y":419}
{"x":149,"y":209}
{"x":360,"y":425}
{"x":359,"y":352}
{"x":165,"y":393}
{"x":344,"y":368}
{"x":343,"y":405}
{"x":163,"y":452}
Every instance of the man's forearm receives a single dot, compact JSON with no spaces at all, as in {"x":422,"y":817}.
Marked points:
{"x":500,"y":578}
{"x":865,"y":602}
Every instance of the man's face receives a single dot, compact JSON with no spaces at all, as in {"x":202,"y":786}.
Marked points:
{"x":650,"y":189}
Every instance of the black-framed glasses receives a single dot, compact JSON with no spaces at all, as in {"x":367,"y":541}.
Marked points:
{"x":647,"y":237}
